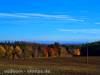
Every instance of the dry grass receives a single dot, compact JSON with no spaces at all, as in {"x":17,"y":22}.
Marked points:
{"x":56,"y":66}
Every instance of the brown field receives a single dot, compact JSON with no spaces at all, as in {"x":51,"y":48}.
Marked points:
{"x":51,"y":66}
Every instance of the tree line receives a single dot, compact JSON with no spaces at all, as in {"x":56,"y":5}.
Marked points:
{"x":29,"y":50}
{"x":92,"y":48}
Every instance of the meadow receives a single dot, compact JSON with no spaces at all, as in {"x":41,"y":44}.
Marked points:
{"x":51,"y":66}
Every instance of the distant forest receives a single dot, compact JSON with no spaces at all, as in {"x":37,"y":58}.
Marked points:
{"x":29,"y":50}
{"x":92,"y":48}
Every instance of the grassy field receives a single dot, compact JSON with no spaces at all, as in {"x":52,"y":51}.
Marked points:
{"x":51,"y":66}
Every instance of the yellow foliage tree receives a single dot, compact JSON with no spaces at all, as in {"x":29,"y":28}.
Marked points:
{"x":28,"y":52}
{"x":17,"y":52}
{"x":77,"y":52}
{"x":10,"y":51}
{"x":2,"y":51}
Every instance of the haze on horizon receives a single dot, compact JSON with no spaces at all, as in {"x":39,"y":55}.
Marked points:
{"x":50,"y":20}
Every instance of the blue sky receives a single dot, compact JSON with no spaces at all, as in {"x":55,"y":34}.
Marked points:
{"x":50,"y":20}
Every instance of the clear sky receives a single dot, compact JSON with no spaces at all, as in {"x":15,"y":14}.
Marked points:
{"x":51,"y":20}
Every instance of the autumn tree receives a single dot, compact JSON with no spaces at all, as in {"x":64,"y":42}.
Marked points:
{"x":2,"y":51}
